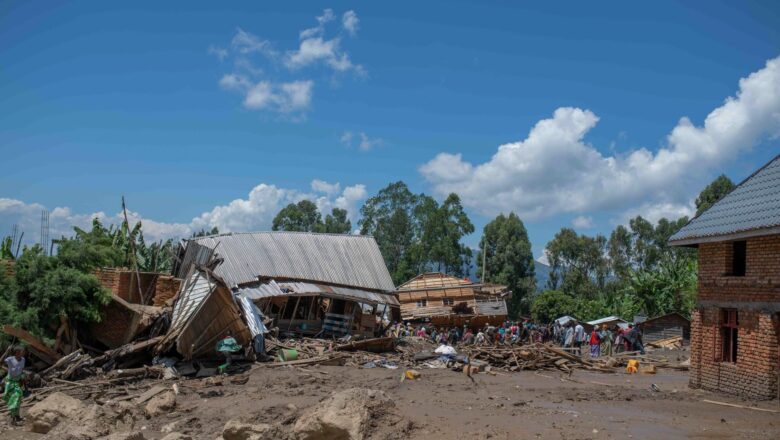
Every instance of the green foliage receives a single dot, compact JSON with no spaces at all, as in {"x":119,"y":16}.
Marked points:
{"x":713,"y":192}
{"x":45,"y":289}
{"x":336,"y":222}
{"x":298,"y":217}
{"x":671,"y":287}
{"x":508,"y":260}
{"x":578,"y":264}
{"x":305,"y":217}
{"x":206,"y":232}
{"x":6,"y":248}
{"x":552,"y":304}
{"x":415,"y":234}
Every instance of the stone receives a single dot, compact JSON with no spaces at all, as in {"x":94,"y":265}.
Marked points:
{"x":238,"y":429}
{"x":48,"y":413}
{"x":160,"y":404}
{"x":124,"y":436}
{"x":177,"y":436}
{"x":344,"y":415}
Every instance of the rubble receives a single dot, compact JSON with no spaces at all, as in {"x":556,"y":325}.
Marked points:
{"x":344,"y":415}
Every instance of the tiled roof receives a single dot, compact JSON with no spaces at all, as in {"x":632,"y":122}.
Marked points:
{"x":754,"y":205}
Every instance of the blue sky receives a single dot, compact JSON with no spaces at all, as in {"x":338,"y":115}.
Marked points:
{"x":202,"y":114}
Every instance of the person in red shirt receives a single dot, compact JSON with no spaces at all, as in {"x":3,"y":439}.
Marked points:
{"x":595,"y":343}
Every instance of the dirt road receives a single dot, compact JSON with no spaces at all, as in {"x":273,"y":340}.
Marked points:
{"x":446,"y":405}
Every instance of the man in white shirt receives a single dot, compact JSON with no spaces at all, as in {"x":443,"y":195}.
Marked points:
{"x":579,"y":337}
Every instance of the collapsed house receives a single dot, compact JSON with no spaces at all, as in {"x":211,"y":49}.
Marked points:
{"x":446,"y":300}
{"x":137,"y":301}
{"x":735,"y":327}
{"x":305,"y":283}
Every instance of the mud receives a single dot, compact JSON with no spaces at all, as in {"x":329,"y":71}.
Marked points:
{"x":446,"y":405}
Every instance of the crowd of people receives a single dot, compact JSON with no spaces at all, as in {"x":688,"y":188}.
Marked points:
{"x":604,"y":340}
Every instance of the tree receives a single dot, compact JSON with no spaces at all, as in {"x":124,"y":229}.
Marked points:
{"x":336,"y":222}
{"x":206,"y":232}
{"x":578,"y":263}
{"x":508,"y":259}
{"x":443,"y":227}
{"x":713,"y":192}
{"x":298,"y":217}
{"x":390,"y":217}
{"x":669,"y":288}
{"x":552,"y":304}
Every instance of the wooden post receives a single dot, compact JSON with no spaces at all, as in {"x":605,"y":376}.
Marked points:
{"x":295,"y":309}
{"x":132,"y":251}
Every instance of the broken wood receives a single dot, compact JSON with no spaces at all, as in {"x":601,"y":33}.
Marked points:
{"x":35,"y":345}
{"x":734,"y":405}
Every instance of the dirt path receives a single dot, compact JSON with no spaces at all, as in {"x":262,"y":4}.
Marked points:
{"x":446,"y":405}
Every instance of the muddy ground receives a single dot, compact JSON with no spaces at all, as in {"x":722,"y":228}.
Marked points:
{"x":443,"y":404}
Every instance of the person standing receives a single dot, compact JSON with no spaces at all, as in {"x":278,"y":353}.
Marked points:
{"x":606,"y":340}
{"x":14,"y":381}
{"x":595,"y":343}
{"x":579,"y":337}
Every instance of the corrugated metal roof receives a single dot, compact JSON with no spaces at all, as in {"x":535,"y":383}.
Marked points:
{"x":197,"y":287}
{"x":272,"y":289}
{"x":753,"y":205}
{"x":254,"y":318}
{"x":605,"y":320}
{"x":349,"y":260}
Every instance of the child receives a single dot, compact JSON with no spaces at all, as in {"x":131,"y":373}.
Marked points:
{"x":13,"y":383}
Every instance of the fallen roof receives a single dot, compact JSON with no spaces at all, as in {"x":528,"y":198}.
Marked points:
{"x":346,"y":260}
{"x":750,"y":209}
{"x":295,"y":288}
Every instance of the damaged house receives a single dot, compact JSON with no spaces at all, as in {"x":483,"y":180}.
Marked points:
{"x":446,"y":300}
{"x":735,"y":327}
{"x":306,"y":283}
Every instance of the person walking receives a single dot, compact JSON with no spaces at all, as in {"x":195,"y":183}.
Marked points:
{"x":14,"y":381}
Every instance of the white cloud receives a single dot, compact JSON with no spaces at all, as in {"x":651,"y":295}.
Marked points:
{"x":292,"y":97}
{"x":253,"y":213}
{"x":350,"y":22}
{"x":553,"y":170}
{"x":364,"y":143}
{"x":583,"y":222}
{"x":280,"y":91}
{"x":220,"y":52}
{"x":346,"y":138}
{"x":315,"y":48}
{"x":322,"y":186}
{"x":654,"y":211}
{"x":247,"y":43}
{"x":326,"y":17}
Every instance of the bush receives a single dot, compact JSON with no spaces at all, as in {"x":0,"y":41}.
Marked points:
{"x":552,"y":304}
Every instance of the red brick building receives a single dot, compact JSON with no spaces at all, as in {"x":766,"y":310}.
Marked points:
{"x":735,"y":346}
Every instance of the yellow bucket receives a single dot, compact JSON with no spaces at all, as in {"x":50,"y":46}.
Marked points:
{"x":633,"y":366}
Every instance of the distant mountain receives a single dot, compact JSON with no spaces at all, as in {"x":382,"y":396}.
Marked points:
{"x":542,"y":274}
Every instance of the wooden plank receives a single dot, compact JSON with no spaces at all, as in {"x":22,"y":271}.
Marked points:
{"x":37,"y":346}
{"x":734,"y":405}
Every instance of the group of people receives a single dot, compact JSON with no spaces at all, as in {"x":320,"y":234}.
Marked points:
{"x":507,"y":333}
{"x":604,"y":340}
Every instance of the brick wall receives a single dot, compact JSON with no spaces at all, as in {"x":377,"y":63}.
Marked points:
{"x":124,"y":283}
{"x":166,"y":288}
{"x":756,"y":296}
